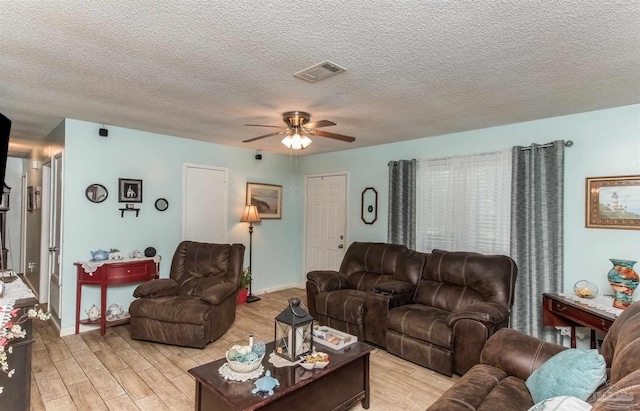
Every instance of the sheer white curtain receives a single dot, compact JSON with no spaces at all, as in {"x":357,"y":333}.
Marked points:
{"x":464,"y":203}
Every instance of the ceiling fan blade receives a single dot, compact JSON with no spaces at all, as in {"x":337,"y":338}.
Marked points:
{"x":335,"y":136}
{"x":260,"y":137}
{"x":321,"y":123}
{"x":262,"y":125}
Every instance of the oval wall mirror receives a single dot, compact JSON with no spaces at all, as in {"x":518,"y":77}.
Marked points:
{"x":96,"y":193}
{"x":369,"y":210}
{"x":162,"y":204}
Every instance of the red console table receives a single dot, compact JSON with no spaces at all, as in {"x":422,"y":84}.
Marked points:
{"x":111,"y":273}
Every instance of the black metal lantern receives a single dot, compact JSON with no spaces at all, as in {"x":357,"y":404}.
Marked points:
{"x":293,"y":331}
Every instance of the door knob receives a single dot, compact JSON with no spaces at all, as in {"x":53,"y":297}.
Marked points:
{"x":341,"y":246}
{"x":54,"y":249}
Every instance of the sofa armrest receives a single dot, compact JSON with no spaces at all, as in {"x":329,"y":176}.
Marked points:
{"x":328,"y":280}
{"x":486,"y":313}
{"x":157,"y":288}
{"x":218,"y":293}
{"x":396,"y":287}
{"x":516,"y":353}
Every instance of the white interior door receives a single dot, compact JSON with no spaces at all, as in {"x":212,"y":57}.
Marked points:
{"x":204,"y":211}
{"x":325,"y":222}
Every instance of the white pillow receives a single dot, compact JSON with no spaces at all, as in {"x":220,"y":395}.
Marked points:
{"x":562,"y":403}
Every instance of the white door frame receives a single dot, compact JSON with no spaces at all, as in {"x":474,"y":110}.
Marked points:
{"x":346,"y":214}
{"x":184,"y":193}
{"x":45,"y":233}
{"x":58,"y":171}
{"x":23,"y":227}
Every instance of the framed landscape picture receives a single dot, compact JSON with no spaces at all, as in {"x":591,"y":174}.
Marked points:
{"x":613,"y":202}
{"x":267,"y":198}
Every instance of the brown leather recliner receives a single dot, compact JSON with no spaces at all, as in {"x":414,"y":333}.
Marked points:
{"x":510,"y":357}
{"x":461,"y":300}
{"x":197,"y":304}
{"x":346,"y":299}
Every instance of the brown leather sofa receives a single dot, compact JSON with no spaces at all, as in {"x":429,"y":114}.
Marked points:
{"x":346,"y":300}
{"x":197,"y":303}
{"x":462,"y":299}
{"x":510,"y":357}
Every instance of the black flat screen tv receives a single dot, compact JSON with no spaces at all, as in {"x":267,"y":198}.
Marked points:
{"x":5,"y":128}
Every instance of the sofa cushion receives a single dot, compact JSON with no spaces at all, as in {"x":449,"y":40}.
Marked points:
{"x":421,"y":322}
{"x":379,"y":258}
{"x":481,"y":382}
{"x":343,"y":305}
{"x":453,"y":279}
{"x":571,"y":372}
{"x":367,"y":281}
{"x":173,"y":309}
{"x":509,"y":394}
{"x":446,"y":296}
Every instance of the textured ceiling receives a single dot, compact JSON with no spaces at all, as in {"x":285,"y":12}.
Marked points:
{"x":415,"y":68}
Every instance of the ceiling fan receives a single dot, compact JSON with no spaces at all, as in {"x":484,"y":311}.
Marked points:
{"x":299,"y":129}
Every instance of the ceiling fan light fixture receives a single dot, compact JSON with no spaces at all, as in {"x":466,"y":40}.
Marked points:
{"x":296,"y":142}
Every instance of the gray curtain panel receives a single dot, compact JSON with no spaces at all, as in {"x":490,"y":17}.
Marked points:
{"x":537,"y":209}
{"x":402,"y":203}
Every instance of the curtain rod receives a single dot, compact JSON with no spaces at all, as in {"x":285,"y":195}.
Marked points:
{"x":567,"y":143}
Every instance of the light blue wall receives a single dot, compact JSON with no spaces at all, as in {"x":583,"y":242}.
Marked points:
{"x":606,"y":143}
{"x":158,"y":160}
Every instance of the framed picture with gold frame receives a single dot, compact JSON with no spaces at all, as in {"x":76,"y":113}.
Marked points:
{"x":613,"y":202}
{"x":267,"y":198}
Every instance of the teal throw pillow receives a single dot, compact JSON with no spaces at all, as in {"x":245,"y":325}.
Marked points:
{"x":576,"y":373}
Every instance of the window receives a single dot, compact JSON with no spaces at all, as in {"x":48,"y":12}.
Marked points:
{"x":464,"y":203}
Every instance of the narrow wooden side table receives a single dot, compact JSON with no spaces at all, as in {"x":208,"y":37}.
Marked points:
{"x":561,"y":311}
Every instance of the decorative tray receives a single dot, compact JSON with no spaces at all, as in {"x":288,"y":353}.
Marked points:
{"x":332,"y":338}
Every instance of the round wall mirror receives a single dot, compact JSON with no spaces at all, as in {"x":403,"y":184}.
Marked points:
{"x":96,"y":193}
{"x":162,"y":204}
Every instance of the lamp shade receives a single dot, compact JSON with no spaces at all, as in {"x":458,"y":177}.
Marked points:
{"x":250,"y":215}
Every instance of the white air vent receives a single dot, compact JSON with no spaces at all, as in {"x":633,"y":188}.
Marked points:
{"x":320,"y":71}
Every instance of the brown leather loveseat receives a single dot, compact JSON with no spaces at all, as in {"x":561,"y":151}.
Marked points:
{"x":197,"y":304}
{"x":436,"y":310}
{"x":510,"y":357}
{"x":346,"y":300}
{"x":462,"y":299}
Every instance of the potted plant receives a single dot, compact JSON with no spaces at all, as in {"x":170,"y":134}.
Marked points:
{"x":243,"y":288}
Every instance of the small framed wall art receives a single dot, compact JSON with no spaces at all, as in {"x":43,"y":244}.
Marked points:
{"x":267,"y":198}
{"x":613,"y":202}
{"x":369,"y":206}
{"x":129,"y":190}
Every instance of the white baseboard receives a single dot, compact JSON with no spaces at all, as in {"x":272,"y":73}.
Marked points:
{"x":83,"y":328}
{"x":278,"y":288}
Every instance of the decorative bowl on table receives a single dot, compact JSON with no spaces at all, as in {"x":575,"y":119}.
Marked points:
{"x":315,"y":360}
{"x":244,"y":359}
{"x":585,"y":289}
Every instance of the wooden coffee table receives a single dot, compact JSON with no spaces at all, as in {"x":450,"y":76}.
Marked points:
{"x":343,"y":382}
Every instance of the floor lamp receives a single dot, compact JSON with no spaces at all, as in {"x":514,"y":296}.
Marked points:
{"x":250,"y":215}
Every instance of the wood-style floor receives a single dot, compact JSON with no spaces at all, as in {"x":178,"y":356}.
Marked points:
{"x":90,"y":372}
